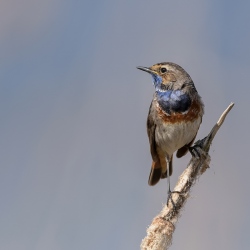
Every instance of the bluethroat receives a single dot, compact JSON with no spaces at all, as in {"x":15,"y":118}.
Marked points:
{"x":174,"y":117}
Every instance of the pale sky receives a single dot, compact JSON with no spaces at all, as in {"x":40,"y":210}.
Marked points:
{"x":74,"y":150}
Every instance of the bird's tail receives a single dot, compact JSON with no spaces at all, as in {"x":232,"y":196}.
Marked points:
{"x":155,"y":173}
{"x":157,"y":169}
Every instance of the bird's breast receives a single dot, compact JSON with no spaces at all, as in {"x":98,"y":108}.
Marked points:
{"x":178,"y":128}
{"x":172,"y":136}
{"x":194,"y":111}
{"x":173,"y":101}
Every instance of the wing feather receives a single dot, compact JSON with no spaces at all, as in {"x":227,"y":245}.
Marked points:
{"x":151,"y":126}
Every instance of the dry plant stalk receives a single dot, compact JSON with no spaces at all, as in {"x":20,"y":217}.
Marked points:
{"x":160,"y":232}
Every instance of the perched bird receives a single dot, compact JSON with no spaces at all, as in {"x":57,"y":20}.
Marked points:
{"x":174,"y":117}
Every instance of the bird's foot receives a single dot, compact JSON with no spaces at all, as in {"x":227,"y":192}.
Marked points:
{"x":171,"y":199}
{"x":195,"y":150}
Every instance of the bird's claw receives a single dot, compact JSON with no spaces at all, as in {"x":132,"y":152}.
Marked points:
{"x":171,"y":199}
{"x":195,"y":150}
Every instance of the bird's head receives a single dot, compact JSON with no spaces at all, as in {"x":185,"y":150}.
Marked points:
{"x":168,"y":76}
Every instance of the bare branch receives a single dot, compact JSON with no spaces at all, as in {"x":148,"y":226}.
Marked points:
{"x":159,"y":233}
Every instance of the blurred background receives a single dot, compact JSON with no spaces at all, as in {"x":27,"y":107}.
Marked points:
{"x":75,"y":157}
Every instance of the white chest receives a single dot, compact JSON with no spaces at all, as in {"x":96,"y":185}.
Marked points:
{"x":170,"y":137}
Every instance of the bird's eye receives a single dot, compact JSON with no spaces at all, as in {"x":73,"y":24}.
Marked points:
{"x":163,"y":70}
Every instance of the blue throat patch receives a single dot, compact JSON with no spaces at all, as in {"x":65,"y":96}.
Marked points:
{"x":157,"y":80}
{"x":173,"y":101}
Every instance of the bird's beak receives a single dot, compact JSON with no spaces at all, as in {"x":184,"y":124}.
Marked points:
{"x":150,"y":71}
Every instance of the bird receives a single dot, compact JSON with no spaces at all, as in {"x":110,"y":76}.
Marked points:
{"x":174,"y":117}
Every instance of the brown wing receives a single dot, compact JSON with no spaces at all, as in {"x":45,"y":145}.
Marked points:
{"x":155,"y":173}
{"x":151,"y":126}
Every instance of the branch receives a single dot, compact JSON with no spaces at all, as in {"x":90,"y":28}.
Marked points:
{"x":160,"y":232}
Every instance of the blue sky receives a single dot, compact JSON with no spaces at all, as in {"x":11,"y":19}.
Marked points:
{"x":74,"y":151}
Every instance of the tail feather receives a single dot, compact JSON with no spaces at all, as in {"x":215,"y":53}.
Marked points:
{"x":155,"y":173}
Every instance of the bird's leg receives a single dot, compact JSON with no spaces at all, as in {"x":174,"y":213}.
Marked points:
{"x":168,"y":176}
{"x":169,"y":190}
